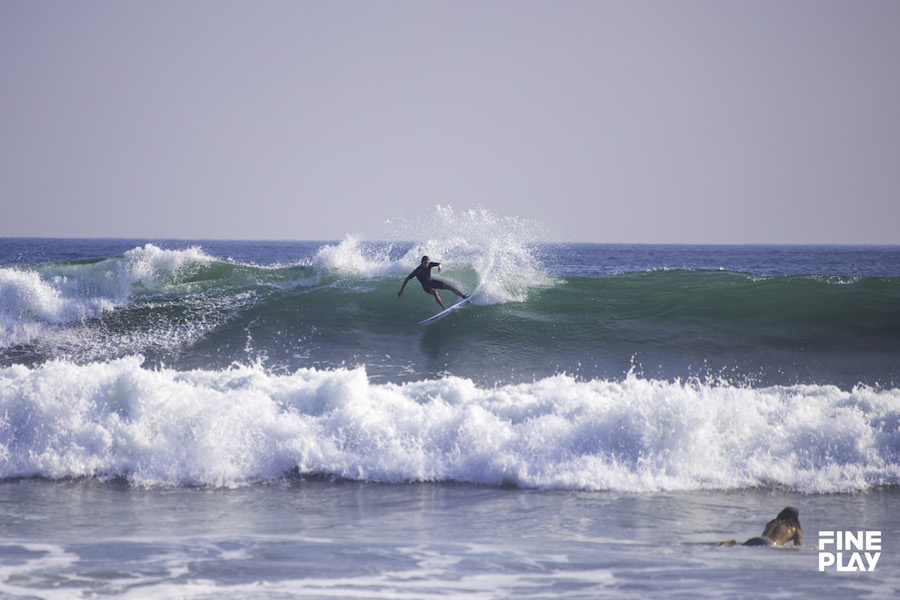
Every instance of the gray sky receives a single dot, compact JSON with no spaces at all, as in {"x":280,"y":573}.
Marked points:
{"x":604,"y":121}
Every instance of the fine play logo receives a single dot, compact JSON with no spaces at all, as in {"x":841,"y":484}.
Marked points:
{"x":849,"y":550}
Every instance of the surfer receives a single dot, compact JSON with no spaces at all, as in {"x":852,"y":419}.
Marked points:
{"x":431,"y":286}
{"x":778,"y":532}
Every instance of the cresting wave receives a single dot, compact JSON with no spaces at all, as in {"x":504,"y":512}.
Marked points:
{"x":54,"y":294}
{"x":327,"y":306}
{"x":242,"y":425}
{"x":38,"y":300}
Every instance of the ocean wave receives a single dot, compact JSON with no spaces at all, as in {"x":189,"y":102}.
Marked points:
{"x":241,"y":425}
{"x":353,"y":258}
{"x":56,"y":294}
{"x":337,"y":305}
{"x":73,"y":291}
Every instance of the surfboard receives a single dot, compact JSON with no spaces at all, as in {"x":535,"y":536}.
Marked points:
{"x":446,"y":311}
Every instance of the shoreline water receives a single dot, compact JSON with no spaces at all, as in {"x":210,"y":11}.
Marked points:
{"x":305,"y":538}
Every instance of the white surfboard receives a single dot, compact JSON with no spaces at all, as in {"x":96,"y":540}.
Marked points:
{"x":445,"y":312}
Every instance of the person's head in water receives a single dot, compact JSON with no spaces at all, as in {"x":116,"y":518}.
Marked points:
{"x":425,"y":261}
{"x":789,"y":515}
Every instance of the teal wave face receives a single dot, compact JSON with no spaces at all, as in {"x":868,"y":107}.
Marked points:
{"x":338,"y":306}
{"x":667,"y":324}
{"x":712,"y":296}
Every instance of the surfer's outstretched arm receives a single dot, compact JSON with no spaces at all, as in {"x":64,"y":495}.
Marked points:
{"x":405,"y":281}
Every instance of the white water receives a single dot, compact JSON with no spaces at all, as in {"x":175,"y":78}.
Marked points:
{"x":243,"y":425}
{"x":36,"y":301}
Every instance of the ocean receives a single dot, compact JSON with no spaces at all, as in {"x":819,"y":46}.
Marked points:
{"x":232,"y":419}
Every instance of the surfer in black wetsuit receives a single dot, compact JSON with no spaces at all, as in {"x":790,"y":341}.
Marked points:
{"x":431,"y":286}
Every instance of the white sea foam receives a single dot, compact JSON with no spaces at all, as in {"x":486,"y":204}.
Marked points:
{"x":351,"y":257}
{"x":56,"y":294}
{"x":241,"y":425}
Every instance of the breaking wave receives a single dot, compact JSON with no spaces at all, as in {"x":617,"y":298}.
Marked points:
{"x":241,"y":425}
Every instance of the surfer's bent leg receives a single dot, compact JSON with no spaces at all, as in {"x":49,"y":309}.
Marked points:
{"x":447,"y":286}
{"x":434,"y":293}
{"x":443,"y":285}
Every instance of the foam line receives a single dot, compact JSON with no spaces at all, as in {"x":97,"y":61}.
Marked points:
{"x":242,"y":425}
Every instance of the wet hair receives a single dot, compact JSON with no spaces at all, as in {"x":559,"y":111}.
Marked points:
{"x":789,"y":515}
{"x":425,"y":259}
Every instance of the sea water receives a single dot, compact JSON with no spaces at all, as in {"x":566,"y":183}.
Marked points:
{"x":193,"y":419}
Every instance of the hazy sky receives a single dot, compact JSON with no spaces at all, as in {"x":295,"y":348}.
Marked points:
{"x":604,"y":121}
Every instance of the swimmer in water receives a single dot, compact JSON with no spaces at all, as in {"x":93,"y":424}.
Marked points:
{"x":431,"y":286}
{"x":778,"y":532}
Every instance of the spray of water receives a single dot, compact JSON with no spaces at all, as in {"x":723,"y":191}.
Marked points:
{"x":502,"y":252}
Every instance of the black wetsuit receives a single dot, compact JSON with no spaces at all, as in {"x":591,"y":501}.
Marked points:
{"x":423,"y":274}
